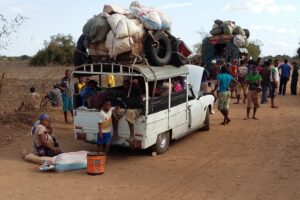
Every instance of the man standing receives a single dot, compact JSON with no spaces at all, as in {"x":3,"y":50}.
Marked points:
{"x":64,"y":87}
{"x":294,"y":81}
{"x":284,"y":76}
{"x":265,"y":83}
{"x":223,"y":81}
{"x":274,"y":83}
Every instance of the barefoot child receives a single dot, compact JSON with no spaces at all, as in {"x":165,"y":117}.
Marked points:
{"x":105,"y":127}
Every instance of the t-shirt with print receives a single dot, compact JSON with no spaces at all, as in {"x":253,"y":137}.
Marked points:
{"x":224,"y":81}
{"x":105,"y":120}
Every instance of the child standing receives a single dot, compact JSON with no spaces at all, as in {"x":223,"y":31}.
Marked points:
{"x":105,"y":127}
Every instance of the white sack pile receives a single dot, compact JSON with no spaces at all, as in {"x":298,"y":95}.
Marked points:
{"x":118,"y":30}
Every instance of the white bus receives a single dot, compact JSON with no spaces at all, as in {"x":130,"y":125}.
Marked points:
{"x":163,"y":118}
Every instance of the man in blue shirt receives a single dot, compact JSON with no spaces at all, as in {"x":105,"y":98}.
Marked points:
{"x":89,"y":90}
{"x":285,"y":69}
{"x":223,"y":82}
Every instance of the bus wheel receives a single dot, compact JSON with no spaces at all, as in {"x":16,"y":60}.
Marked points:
{"x":206,"y":121}
{"x":162,"y":143}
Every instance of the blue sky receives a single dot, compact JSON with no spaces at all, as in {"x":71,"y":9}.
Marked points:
{"x":274,"y":22}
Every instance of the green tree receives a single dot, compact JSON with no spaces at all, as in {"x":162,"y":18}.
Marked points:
{"x":298,"y":52}
{"x":59,"y":50}
{"x":254,"y":48}
{"x":8,"y":27}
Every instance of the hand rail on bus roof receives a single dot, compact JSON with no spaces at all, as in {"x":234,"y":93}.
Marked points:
{"x":114,"y":68}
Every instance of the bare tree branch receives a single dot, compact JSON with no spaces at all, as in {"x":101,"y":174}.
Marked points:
{"x":9,"y":27}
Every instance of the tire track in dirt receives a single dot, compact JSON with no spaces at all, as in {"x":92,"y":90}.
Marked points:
{"x":176,"y":182}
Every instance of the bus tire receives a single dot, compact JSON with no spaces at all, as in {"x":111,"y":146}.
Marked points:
{"x":206,"y":121}
{"x":162,"y":143}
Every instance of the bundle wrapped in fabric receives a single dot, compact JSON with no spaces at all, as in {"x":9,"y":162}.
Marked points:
{"x":239,"y":31}
{"x":117,"y":30}
{"x":96,"y":29}
{"x":116,"y":45}
{"x":216,"y":31}
{"x":227,"y":30}
{"x":98,"y":49}
{"x":227,"y":27}
{"x":240,"y":41}
{"x":122,"y":26}
{"x":152,"y":19}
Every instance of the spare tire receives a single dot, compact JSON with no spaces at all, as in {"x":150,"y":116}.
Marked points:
{"x":247,"y":33}
{"x":160,"y":54}
{"x":179,"y":57}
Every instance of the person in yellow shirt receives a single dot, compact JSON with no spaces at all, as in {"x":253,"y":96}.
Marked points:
{"x":111,"y":80}
{"x":77,"y":89}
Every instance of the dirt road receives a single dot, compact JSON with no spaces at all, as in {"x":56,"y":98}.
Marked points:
{"x":246,"y":160}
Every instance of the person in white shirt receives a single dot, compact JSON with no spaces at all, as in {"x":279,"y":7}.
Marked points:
{"x":105,"y":127}
{"x":274,"y":82}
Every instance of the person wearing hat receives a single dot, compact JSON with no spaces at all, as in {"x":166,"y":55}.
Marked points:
{"x":44,"y":142}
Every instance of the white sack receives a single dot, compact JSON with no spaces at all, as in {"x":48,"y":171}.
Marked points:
{"x":239,"y":41}
{"x":68,"y":161}
{"x":140,"y":26}
{"x":151,"y":20}
{"x":165,"y":21}
{"x":122,"y":26}
{"x":117,"y":46}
